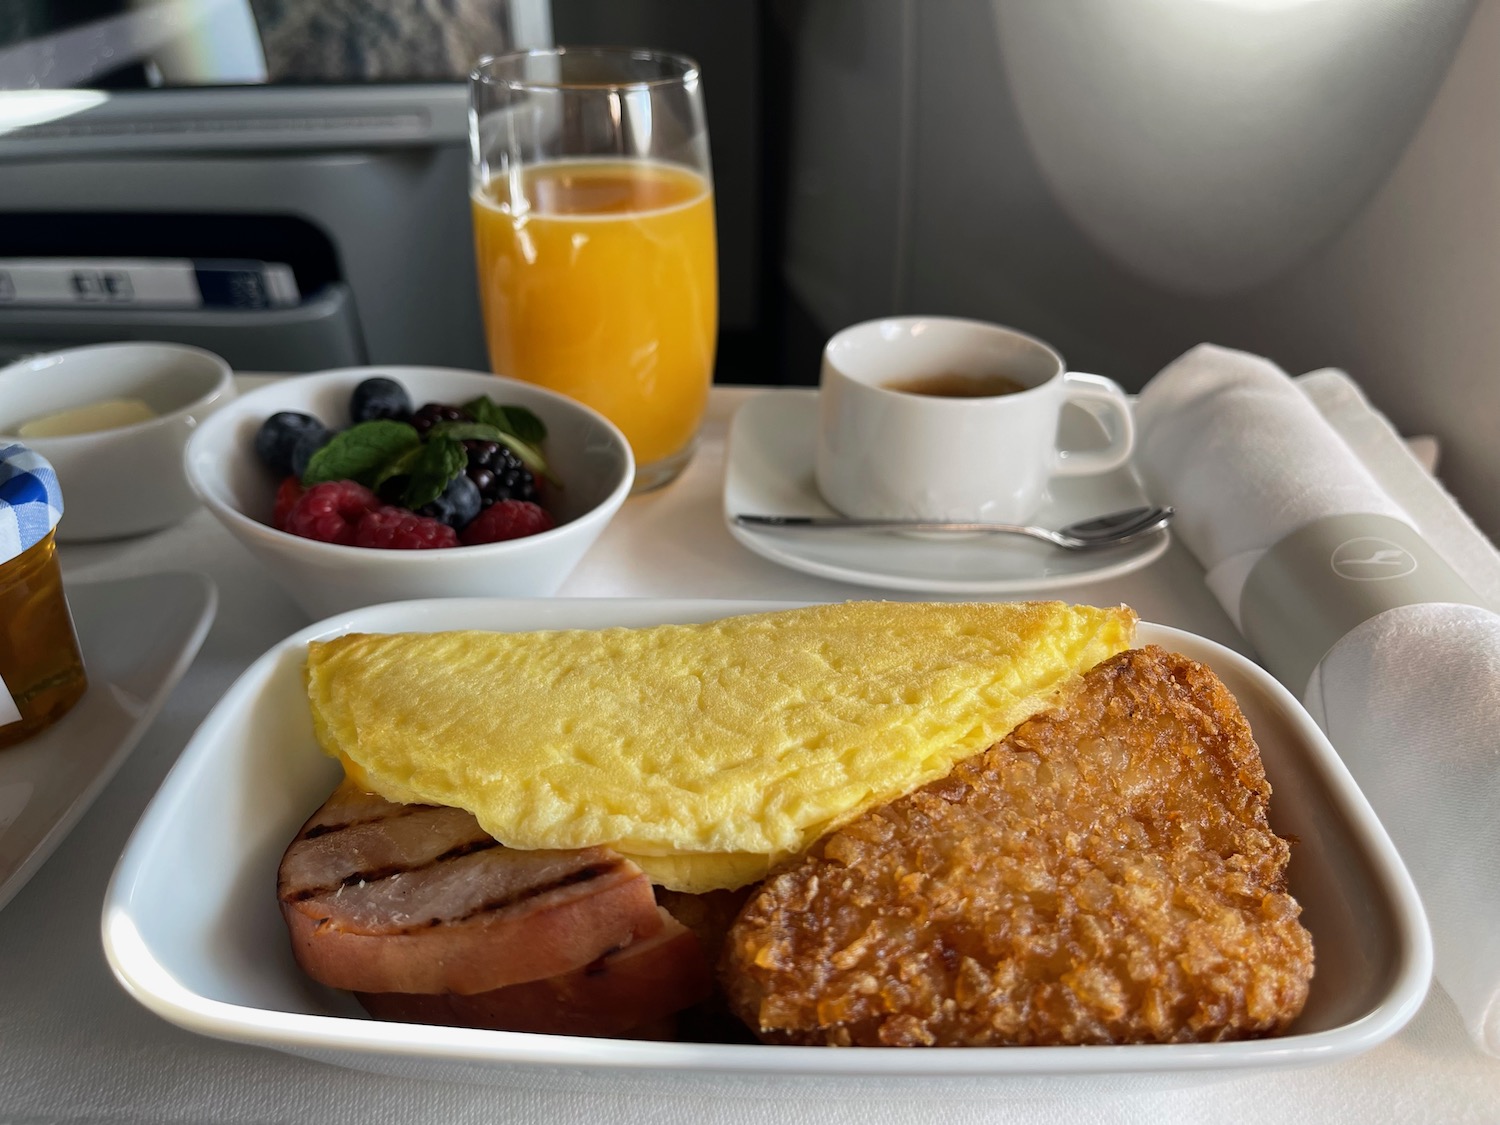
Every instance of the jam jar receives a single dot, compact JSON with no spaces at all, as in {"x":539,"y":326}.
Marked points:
{"x":41,"y":669}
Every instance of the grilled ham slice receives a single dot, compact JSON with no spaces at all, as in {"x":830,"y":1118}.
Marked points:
{"x":381,"y":897}
{"x":628,"y":993}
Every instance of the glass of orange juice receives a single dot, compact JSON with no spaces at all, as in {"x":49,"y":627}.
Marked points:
{"x":594,"y":236}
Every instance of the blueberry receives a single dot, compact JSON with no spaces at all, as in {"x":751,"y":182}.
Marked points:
{"x":308,"y":443}
{"x":379,"y":398}
{"x":278,"y":436}
{"x":458,"y":504}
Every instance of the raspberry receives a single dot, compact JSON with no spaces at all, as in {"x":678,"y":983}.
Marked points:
{"x":402,"y":530}
{"x":330,"y":512}
{"x":287,"y":496}
{"x":507,"y":519}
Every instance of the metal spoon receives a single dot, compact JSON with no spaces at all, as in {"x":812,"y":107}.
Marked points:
{"x":1098,"y":531}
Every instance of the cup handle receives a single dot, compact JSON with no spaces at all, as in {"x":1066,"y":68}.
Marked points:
{"x":1105,"y":401}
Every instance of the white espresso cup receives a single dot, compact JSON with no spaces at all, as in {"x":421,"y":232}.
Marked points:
{"x":947,"y":419}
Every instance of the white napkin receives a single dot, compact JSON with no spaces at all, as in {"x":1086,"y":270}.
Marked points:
{"x":1246,"y":459}
{"x":1410,"y":698}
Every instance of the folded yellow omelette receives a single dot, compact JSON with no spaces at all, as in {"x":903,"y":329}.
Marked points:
{"x":708,"y":753}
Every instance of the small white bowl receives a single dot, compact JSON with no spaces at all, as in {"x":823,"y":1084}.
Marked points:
{"x":129,"y":480}
{"x":586,"y":452}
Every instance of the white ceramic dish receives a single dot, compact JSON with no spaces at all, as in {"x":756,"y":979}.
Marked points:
{"x":585,"y":450}
{"x":192,"y":930}
{"x":129,"y":480}
{"x":769,"y":471}
{"x":138,"y":636}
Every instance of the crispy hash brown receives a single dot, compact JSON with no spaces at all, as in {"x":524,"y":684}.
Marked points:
{"x":1106,"y":874}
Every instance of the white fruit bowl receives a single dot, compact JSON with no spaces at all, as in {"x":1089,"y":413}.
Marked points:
{"x":586,"y":452}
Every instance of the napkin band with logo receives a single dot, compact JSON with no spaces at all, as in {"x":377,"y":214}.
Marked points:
{"x":1309,"y":590}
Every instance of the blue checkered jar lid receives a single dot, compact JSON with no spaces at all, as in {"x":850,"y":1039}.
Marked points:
{"x":31,"y":500}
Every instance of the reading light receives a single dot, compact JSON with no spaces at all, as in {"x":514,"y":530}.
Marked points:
{"x":1212,"y":145}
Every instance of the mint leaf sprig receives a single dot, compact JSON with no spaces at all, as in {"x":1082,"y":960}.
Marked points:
{"x":421,"y":474}
{"x":517,"y":421}
{"x":480,"y":431}
{"x":440,"y":460}
{"x":361,"y":452}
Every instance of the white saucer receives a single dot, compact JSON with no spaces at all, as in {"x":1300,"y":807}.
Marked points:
{"x":138,"y":636}
{"x":769,"y":471}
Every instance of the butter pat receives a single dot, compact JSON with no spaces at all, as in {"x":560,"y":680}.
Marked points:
{"x":109,"y":414}
{"x":706,"y":752}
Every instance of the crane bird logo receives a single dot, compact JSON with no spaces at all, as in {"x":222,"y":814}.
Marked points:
{"x":1370,"y":559}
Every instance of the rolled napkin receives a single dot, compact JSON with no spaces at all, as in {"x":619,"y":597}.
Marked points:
{"x":1246,"y":459}
{"x":1294,"y":530}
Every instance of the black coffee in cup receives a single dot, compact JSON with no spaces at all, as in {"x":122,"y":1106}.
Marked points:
{"x":954,"y":385}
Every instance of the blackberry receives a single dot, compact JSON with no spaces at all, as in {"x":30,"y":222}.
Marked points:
{"x":499,"y":473}
{"x":432,"y":413}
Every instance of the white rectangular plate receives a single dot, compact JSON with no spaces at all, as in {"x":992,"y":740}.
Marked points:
{"x":191,"y":925}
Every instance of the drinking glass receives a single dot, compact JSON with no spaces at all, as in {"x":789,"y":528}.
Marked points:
{"x":594,"y":236}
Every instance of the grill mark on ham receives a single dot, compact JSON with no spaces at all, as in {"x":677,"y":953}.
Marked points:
{"x":390,"y":812}
{"x":365,"y":877}
{"x":376,"y":874}
{"x":583,"y":875}
{"x":316,"y":828}
{"x":312,"y":832}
